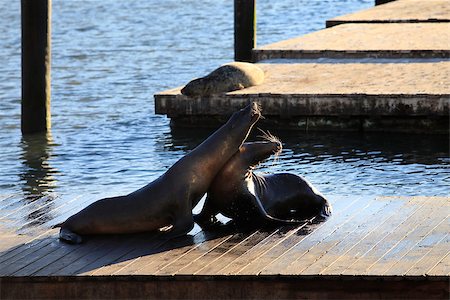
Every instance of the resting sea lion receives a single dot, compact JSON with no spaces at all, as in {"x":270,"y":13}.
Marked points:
{"x":229,"y":77}
{"x":240,"y":194}
{"x":166,"y":203}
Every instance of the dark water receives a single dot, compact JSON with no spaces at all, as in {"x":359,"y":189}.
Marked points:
{"x":110,"y":57}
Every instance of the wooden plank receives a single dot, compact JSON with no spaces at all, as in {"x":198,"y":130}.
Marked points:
{"x":52,"y":255}
{"x":5,"y":197}
{"x":421,"y":250}
{"x":273,"y":239}
{"x":433,"y":258}
{"x":7,"y":200}
{"x":17,"y":208}
{"x":443,"y":267}
{"x":136,"y":260}
{"x":223,"y":260}
{"x":112,"y":249}
{"x":91,"y":251}
{"x":29,"y":255}
{"x":164,"y":259}
{"x":141,"y":248}
{"x":297,"y":251}
{"x":123,"y":245}
{"x":42,"y":220}
{"x":141,"y":258}
{"x":9,"y":240}
{"x":196,"y":253}
{"x":278,"y":236}
{"x":406,"y":238}
{"x":204,"y":255}
{"x":72,"y":254}
{"x":317,"y":246}
{"x":216,"y":251}
{"x":324,"y":254}
{"x":50,"y":263}
{"x":287,"y":247}
{"x":388,"y":242}
{"x":29,"y":243}
{"x":371,"y":240}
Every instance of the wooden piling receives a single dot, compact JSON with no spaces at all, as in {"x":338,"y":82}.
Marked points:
{"x":244,"y":29}
{"x":36,"y":65}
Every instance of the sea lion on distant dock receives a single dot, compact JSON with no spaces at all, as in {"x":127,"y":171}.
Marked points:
{"x":240,"y":194}
{"x":229,"y":77}
{"x":166,"y":203}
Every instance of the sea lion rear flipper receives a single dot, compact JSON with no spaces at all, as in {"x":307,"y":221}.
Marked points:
{"x":70,"y":237}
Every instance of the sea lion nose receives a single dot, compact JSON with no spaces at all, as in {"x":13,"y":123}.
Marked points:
{"x":277,"y":147}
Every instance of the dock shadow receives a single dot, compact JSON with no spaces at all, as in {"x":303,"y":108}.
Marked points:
{"x":49,"y":256}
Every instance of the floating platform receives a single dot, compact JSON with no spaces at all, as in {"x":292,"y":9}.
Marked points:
{"x":385,"y":247}
{"x":400,"y":11}
{"x":330,"y":96}
{"x":393,"y":40}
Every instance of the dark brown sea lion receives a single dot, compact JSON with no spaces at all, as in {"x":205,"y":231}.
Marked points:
{"x":240,"y":194}
{"x":229,"y":77}
{"x":166,"y":203}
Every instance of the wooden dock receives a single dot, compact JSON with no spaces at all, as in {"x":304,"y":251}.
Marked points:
{"x":381,"y":69}
{"x":385,"y":247}
{"x":330,"y":96}
{"x":393,"y":40}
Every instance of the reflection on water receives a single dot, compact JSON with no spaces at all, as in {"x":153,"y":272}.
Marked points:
{"x":340,"y":147}
{"x":37,"y":176}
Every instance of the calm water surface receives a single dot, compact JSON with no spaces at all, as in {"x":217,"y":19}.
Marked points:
{"x":110,"y":57}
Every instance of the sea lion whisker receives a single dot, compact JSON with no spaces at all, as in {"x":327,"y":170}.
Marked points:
{"x":271,"y":138}
{"x":276,"y":157}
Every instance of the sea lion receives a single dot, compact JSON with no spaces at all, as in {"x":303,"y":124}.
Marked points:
{"x":229,"y":77}
{"x":240,"y":194}
{"x":166,"y":203}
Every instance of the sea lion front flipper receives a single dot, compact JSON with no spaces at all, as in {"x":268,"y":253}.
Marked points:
{"x":207,"y":217}
{"x":206,"y":221}
{"x":70,"y":237}
{"x":179,"y":228}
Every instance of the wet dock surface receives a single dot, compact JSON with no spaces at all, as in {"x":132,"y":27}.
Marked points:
{"x":402,"y":242}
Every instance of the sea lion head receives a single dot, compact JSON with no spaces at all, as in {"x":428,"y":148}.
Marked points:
{"x":196,"y":87}
{"x":251,"y":113}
